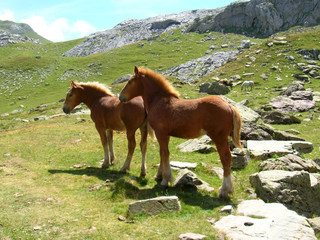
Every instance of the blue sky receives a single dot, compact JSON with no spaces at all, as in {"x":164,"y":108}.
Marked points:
{"x":62,"y":20}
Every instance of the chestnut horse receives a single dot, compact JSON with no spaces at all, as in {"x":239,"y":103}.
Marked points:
{"x":169,"y":115}
{"x":109,"y":114}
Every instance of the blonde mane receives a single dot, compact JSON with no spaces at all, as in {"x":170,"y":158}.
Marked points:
{"x":160,"y":80}
{"x":98,"y":86}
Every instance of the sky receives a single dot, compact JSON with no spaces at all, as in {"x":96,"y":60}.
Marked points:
{"x":63,"y":20}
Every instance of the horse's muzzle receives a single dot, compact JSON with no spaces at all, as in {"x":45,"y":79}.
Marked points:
{"x":66,"y":109}
{"x":123,"y":98}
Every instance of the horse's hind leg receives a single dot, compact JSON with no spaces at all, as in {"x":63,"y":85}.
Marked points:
{"x":143,"y":147}
{"x":131,"y":146}
{"x":110,"y":145}
{"x":225,"y":156}
{"x":164,"y":170}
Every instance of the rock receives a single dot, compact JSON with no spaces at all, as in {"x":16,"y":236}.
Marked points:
{"x":275,"y":117}
{"x":214,"y":88}
{"x":191,"y":236}
{"x":122,"y":79}
{"x":285,"y":136}
{"x":289,"y":162}
{"x":182,"y":165}
{"x":293,"y":87}
{"x":315,"y":224}
{"x":247,"y":114}
{"x":202,"y":145}
{"x":239,"y":159}
{"x":155,"y":206}
{"x":186,"y":178}
{"x":227,"y":209}
{"x":268,"y":148}
{"x":192,"y":70}
{"x":302,"y":95}
{"x":245,"y":44}
{"x":259,"y":220}
{"x":297,"y":190}
{"x":286,"y":104}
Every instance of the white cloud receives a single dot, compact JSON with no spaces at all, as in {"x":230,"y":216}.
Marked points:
{"x":7,"y":15}
{"x":60,"y":29}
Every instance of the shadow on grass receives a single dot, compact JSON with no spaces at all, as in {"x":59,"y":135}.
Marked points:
{"x":125,"y":187}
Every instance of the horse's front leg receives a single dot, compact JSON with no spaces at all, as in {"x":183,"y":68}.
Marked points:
{"x":164,"y":168}
{"x":131,"y":146}
{"x":104,"y":141}
{"x":110,"y":145}
{"x":143,"y":147}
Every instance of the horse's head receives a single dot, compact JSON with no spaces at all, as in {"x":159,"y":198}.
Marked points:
{"x":134,"y":86}
{"x":73,"y":97}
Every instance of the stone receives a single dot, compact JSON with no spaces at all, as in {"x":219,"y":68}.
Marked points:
{"x":256,"y":219}
{"x":268,"y":148}
{"x":275,"y":117}
{"x":315,"y":224}
{"x":297,"y":190}
{"x":202,"y":145}
{"x":191,"y":236}
{"x":155,"y":206}
{"x":286,"y":104}
{"x":289,"y":162}
{"x":122,"y":79}
{"x":239,"y":159}
{"x":227,"y":209}
{"x":186,"y":178}
{"x":182,"y":165}
{"x":214,"y":88}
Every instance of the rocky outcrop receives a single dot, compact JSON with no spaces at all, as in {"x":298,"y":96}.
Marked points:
{"x":135,"y":30}
{"x":8,"y":38}
{"x":197,"y":68}
{"x":263,"y":17}
{"x":256,"y":219}
{"x":297,"y":190}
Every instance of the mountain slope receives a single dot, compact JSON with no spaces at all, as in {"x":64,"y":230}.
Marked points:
{"x":24,"y":31}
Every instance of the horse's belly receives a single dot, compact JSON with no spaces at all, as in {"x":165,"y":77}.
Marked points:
{"x":187,"y":133}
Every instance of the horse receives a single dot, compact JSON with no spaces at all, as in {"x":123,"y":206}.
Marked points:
{"x":170,"y":115}
{"x":109,"y":114}
{"x":246,"y":84}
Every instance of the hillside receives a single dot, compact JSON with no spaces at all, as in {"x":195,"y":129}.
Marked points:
{"x":52,"y":184}
{"x":19,"y":32}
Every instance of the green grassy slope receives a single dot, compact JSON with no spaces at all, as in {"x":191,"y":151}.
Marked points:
{"x":45,"y":197}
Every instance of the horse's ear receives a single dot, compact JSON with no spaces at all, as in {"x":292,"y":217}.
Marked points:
{"x":75,"y":85}
{"x":136,"y":70}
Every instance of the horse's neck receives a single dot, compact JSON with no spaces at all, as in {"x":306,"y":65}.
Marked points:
{"x":92,"y":95}
{"x":153,"y":95}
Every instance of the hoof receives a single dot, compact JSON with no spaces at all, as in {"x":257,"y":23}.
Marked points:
{"x":143,"y":175}
{"x":164,"y":183}
{"x":123,"y":170}
{"x":158,"y":178}
{"x":104,"y":166}
{"x":224,"y":197}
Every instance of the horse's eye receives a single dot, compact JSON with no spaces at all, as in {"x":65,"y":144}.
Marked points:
{"x":129,"y":82}
{"x":70,"y":95}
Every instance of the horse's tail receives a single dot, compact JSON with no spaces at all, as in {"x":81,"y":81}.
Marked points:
{"x":151,"y":131}
{"x":237,"y":122}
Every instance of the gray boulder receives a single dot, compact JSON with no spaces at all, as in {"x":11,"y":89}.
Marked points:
{"x":214,"y":88}
{"x":239,"y":159}
{"x":258,"y":220}
{"x":186,"y":178}
{"x":289,"y":162}
{"x":122,"y":79}
{"x":297,"y":190}
{"x":286,"y":104}
{"x":202,"y":145}
{"x":268,"y":148}
{"x":275,"y":117}
{"x":315,"y":224}
{"x":191,"y":236}
{"x":155,"y":205}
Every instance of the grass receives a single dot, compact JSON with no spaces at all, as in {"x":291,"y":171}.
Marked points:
{"x":45,"y":197}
